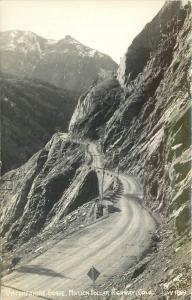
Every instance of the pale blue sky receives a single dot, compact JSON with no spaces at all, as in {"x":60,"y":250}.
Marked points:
{"x":106,"y":25}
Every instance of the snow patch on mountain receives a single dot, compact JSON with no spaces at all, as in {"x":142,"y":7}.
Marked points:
{"x":65,"y":63}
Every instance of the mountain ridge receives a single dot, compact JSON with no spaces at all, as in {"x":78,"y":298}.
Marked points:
{"x":66,"y":63}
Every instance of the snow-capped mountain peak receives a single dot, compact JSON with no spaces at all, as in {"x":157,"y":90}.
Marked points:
{"x":70,"y":39}
{"x":66,"y":63}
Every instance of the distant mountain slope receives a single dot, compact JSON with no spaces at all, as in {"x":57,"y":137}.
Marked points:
{"x":65,"y":63}
{"x":31,"y":112}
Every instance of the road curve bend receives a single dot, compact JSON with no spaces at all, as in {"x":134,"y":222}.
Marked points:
{"x":111,"y":246}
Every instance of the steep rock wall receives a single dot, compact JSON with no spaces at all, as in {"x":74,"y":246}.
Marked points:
{"x":146,"y":43}
{"x":53,"y":183}
{"x":148,"y":134}
{"x":95,"y":107}
{"x":155,"y":120}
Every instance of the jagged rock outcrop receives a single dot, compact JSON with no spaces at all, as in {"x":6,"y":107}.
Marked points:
{"x":155,"y":118}
{"x":167,"y":23}
{"x":52,"y":184}
{"x":95,"y":107}
{"x":31,"y":111}
{"x":65,"y":63}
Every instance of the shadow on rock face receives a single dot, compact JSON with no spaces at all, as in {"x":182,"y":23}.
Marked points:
{"x":88,"y":191}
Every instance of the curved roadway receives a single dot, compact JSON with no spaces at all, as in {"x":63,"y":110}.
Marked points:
{"x":110,"y":245}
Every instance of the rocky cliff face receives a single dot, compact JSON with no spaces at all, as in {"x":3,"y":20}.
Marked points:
{"x":146,"y":131}
{"x":95,"y":107}
{"x":52,"y":184}
{"x":31,"y":111}
{"x":148,"y":134}
{"x":167,"y":22}
{"x":65,"y":63}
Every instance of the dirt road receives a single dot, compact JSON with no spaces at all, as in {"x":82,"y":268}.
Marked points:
{"x":111,"y":246}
